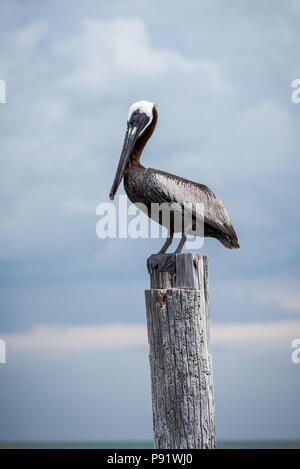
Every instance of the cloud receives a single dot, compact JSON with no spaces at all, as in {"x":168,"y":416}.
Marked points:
{"x":280,"y":292}
{"x":256,"y":333}
{"x":97,"y":63}
{"x":78,"y":337}
{"x":69,"y":90}
{"x":118,"y":336}
{"x":64,"y":120}
{"x":62,"y":126}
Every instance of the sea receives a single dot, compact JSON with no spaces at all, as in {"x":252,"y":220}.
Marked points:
{"x":141,"y":445}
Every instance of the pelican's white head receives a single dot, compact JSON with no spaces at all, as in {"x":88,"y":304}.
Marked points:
{"x":141,"y":108}
{"x":140,"y":116}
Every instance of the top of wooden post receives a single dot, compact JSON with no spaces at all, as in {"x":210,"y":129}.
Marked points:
{"x":191,"y":268}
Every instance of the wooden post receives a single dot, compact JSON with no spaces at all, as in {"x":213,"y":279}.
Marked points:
{"x":180,"y":359}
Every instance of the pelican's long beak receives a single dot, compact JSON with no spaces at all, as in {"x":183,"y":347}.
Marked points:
{"x":133,"y":131}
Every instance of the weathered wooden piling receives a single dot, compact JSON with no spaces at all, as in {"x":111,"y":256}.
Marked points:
{"x":180,"y":355}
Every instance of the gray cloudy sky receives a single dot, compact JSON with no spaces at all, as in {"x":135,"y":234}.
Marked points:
{"x":221,"y":74}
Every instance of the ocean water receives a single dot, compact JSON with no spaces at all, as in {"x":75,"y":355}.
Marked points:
{"x":143,"y":445}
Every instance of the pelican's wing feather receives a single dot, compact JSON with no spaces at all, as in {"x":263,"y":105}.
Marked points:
{"x":173,"y":189}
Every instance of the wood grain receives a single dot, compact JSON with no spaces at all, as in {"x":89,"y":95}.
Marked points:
{"x":180,"y":356}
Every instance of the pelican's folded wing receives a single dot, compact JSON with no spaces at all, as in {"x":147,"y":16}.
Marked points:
{"x":169,"y":188}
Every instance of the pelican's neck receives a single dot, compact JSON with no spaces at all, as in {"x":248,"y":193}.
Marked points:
{"x":142,"y":140}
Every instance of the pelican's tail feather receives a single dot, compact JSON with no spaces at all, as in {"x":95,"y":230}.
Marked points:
{"x":229,"y":242}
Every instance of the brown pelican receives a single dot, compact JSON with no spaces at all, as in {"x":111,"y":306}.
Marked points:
{"x":150,"y":186}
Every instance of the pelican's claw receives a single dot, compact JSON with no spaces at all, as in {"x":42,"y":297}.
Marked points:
{"x":163,"y":263}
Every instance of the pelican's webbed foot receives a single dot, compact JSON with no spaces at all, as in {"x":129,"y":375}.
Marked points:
{"x":163,"y":262}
